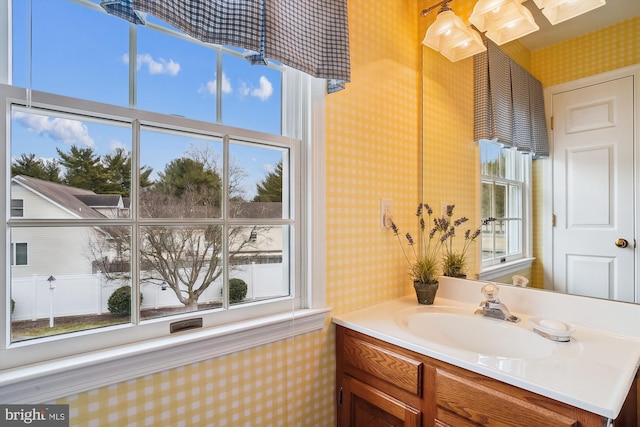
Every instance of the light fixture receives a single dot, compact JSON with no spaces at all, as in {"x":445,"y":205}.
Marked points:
{"x":558,"y":11}
{"x":450,"y":36}
{"x":503,"y":20}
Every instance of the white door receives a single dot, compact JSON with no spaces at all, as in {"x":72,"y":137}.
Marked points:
{"x":593,"y":190}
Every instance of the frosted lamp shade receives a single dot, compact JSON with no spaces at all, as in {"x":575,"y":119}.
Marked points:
{"x":558,"y":11}
{"x":503,"y":20}
{"x":449,"y":36}
{"x":485,"y":12}
{"x":463,"y":47}
{"x":446,"y":25}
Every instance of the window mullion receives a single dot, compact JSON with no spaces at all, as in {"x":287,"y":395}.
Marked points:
{"x":225,"y":220}
{"x":218,"y":86}
{"x":134,"y":213}
{"x":133,"y":60}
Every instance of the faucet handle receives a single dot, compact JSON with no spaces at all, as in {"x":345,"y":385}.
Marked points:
{"x":490,"y":291}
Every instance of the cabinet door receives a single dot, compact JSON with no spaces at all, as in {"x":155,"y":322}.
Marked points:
{"x":464,"y":395}
{"x":366,"y":406}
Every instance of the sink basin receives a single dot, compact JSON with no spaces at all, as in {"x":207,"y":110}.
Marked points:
{"x":475,"y":334}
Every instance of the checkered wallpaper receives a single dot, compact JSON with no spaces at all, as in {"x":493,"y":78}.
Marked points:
{"x":373,"y":140}
{"x":373,"y":151}
{"x":602,"y":50}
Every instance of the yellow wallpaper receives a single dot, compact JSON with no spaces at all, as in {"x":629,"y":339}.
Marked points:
{"x":599,"y":51}
{"x":450,"y":158}
{"x":373,"y":135}
{"x":518,"y":53}
{"x":373,"y":151}
{"x":602,"y":50}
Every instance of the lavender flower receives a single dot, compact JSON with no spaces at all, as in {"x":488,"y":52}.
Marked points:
{"x":394,"y":227}
{"x":409,"y":239}
{"x":459,"y":221}
{"x":449,"y":210}
{"x":454,"y":259}
{"x":437,"y":244}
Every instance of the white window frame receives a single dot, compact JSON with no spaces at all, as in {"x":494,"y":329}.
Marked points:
{"x":14,"y":256}
{"x":76,"y":365}
{"x":16,"y":209}
{"x":493,"y":268}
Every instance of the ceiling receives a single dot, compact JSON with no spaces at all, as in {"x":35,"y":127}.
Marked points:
{"x":612,"y":12}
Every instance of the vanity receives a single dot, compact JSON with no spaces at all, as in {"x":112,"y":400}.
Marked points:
{"x":404,"y":364}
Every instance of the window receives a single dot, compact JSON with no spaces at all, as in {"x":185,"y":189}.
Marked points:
{"x":18,"y":254}
{"x":17,"y":207}
{"x":168,"y":171}
{"x":505,"y":174}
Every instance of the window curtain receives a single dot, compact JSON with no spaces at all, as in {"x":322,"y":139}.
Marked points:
{"x":309,"y":35}
{"x":509,"y":103}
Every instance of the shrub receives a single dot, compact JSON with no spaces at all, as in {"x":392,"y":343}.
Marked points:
{"x":119,"y":303}
{"x":237,"y":290}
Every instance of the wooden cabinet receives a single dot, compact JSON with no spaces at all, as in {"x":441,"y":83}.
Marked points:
{"x":371,"y":407}
{"x":380,"y":384}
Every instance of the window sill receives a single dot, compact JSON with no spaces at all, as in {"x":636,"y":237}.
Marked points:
{"x":48,"y":381}
{"x":512,"y":267}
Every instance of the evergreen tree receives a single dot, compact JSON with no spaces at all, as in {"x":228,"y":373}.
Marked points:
{"x":187,"y":175}
{"x":29,"y":165}
{"x":83,"y":169}
{"x":270,"y":188}
{"x":118,"y":168}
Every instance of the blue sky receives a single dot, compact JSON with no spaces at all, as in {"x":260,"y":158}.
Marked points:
{"x":80,"y":52}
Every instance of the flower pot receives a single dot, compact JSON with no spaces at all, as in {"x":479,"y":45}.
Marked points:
{"x":425,"y":292}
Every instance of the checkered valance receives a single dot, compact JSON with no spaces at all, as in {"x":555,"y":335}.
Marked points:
{"x":310,"y":35}
{"x":509,"y":103}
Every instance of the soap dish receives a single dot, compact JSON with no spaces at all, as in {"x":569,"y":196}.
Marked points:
{"x":552,"y":329}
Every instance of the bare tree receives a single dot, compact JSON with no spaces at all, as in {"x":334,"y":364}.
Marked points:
{"x":188,"y":258}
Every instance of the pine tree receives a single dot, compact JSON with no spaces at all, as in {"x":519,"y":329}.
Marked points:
{"x":270,"y":188}
{"x":29,"y":165}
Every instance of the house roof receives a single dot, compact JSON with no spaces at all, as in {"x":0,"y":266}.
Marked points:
{"x":86,"y":204}
{"x":77,"y":201}
{"x":101,"y":200}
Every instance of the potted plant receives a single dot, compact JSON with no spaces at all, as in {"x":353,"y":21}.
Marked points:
{"x":454,"y":261}
{"x":424,"y":267}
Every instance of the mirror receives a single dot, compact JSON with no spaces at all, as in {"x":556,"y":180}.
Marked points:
{"x":450,"y":160}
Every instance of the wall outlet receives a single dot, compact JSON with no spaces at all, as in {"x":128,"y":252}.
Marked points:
{"x":386,"y":211}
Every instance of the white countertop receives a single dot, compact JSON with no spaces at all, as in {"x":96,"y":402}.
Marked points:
{"x":594,"y":371}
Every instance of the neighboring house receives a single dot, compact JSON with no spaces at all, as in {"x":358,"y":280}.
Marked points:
{"x":35,"y":251}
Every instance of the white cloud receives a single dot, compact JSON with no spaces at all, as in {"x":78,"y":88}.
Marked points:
{"x":210,"y":86}
{"x":114,"y":145}
{"x":268,"y":167}
{"x":160,"y":66}
{"x":264,"y":91}
{"x":244,"y":89}
{"x":61,"y":130}
{"x":226,"y":84}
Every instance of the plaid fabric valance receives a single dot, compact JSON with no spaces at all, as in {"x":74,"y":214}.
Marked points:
{"x":509,"y":103}
{"x":311,"y":35}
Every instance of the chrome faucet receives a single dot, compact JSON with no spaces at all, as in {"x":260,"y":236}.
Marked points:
{"x":492,"y":307}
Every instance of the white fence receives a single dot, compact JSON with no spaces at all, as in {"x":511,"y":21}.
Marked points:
{"x":35,"y":297}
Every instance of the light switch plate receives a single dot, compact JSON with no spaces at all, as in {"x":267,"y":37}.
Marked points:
{"x":386,"y":211}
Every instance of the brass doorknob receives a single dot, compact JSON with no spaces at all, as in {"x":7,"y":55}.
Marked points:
{"x":622,"y":243}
